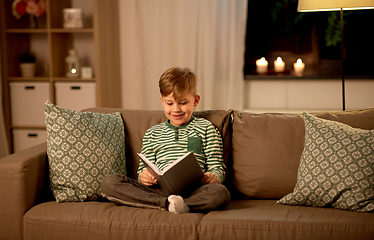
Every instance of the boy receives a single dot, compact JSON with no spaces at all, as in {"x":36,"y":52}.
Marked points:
{"x":166,"y":142}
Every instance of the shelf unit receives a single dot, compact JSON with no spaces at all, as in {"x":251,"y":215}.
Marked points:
{"x":97,"y":44}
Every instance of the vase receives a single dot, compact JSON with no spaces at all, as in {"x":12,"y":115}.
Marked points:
{"x":33,"y":22}
{"x":27,"y":69}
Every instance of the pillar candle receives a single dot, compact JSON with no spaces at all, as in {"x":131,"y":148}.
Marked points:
{"x":299,"y":67}
{"x":279,"y":65}
{"x":261,"y":66}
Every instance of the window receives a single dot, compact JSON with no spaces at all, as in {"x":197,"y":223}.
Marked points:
{"x":275,"y":28}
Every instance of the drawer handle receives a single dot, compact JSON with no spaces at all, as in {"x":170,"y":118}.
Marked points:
{"x":75,"y":88}
{"x":29,"y":87}
{"x":32,"y":135}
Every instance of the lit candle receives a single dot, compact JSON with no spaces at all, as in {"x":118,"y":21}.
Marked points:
{"x":299,"y":67}
{"x":279,"y":65}
{"x":261,"y":66}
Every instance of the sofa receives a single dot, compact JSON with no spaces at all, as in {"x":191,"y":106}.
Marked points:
{"x":262,"y":153}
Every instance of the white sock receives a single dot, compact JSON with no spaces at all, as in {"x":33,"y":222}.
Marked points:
{"x":177,"y":205}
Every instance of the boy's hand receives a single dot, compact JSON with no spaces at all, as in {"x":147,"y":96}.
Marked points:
{"x":209,"y":178}
{"x":146,"y":178}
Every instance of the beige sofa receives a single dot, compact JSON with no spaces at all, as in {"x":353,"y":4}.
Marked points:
{"x":262,"y":153}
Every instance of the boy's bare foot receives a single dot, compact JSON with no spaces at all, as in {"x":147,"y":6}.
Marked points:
{"x":177,"y":205}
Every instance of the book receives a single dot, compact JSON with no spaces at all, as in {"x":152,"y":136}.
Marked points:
{"x":181,"y":177}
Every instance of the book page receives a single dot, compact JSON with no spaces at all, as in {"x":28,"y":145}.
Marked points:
{"x":176,"y":161}
{"x":149,"y":164}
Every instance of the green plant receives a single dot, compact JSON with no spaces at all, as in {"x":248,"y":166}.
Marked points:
{"x":333,"y":29}
{"x":28,"y":57}
{"x":285,"y":12}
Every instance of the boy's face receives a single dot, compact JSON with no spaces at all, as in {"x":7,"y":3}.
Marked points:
{"x":179,"y":111}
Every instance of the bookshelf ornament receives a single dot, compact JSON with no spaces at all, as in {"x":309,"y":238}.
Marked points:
{"x":34,"y":8}
{"x":27,"y":64}
{"x":73,"y":18}
{"x":72,"y":64}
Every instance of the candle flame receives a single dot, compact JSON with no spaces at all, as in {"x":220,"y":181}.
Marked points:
{"x":73,"y":70}
{"x":261,"y":61}
{"x":299,"y":61}
{"x":279,"y":60}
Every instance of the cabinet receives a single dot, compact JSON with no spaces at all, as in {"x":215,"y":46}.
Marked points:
{"x":27,"y":103}
{"x":75,"y":95}
{"x":296,"y":95}
{"x":25,"y":138}
{"x":97,"y":44}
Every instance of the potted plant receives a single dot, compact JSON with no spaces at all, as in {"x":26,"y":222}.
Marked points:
{"x":27,"y":64}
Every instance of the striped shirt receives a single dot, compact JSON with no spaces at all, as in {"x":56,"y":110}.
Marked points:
{"x":164,"y":143}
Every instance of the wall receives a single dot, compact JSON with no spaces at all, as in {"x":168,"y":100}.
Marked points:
{"x":298,"y":95}
{"x":3,"y":141}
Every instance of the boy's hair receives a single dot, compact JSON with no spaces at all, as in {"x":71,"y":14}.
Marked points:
{"x":176,"y":81}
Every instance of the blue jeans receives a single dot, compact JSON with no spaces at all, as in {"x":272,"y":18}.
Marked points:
{"x":126,"y":191}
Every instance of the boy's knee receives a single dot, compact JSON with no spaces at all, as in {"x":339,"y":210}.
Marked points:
{"x":109,"y":181}
{"x":105,"y":183}
{"x":223,"y":193}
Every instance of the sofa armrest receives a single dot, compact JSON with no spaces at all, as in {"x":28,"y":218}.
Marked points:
{"x":22,"y":179}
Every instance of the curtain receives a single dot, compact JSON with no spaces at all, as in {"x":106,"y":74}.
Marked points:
{"x":4,"y":150}
{"x":206,"y":36}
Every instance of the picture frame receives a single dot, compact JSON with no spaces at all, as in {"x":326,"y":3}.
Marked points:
{"x":73,"y":18}
{"x":86,"y":72}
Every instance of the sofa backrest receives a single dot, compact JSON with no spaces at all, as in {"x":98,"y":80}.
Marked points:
{"x":136,"y":123}
{"x":266,"y":149}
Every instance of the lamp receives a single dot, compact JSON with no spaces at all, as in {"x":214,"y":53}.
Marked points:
{"x":72,"y":68}
{"x":336,"y":5}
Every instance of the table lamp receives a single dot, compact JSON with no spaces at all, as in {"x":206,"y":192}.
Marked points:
{"x":336,"y":5}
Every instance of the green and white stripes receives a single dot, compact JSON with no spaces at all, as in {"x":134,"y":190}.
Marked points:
{"x":165,"y":143}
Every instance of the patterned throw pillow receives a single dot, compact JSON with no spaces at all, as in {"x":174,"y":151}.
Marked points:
{"x":336,"y":167}
{"x":82,"y":148}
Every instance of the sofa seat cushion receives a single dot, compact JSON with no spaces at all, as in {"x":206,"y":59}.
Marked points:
{"x":105,"y":220}
{"x":265,"y":219}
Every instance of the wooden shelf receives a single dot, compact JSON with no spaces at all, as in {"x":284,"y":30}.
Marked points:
{"x":50,"y":79}
{"x":29,"y":127}
{"x":33,"y":79}
{"x":66,"y":79}
{"x":26,"y":30}
{"x":71,"y":30}
{"x":97,"y":44}
{"x":53,"y":30}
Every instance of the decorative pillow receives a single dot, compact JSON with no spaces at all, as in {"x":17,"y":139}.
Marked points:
{"x":82,"y":148}
{"x":336,"y":167}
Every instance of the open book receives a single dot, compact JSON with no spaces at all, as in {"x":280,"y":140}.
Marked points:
{"x":181,"y":177}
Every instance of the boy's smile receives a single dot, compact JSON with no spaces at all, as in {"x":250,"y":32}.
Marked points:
{"x":179,"y":111}
{"x":178,"y":116}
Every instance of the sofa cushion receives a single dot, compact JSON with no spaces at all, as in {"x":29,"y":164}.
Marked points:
{"x":137,"y":122}
{"x":105,"y":220}
{"x":266,"y":149}
{"x":82,"y":148}
{"x":264,"y":219}
{"x":336,"y":167}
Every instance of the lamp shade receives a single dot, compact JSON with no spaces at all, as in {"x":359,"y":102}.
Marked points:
{"x":333,"y":5}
